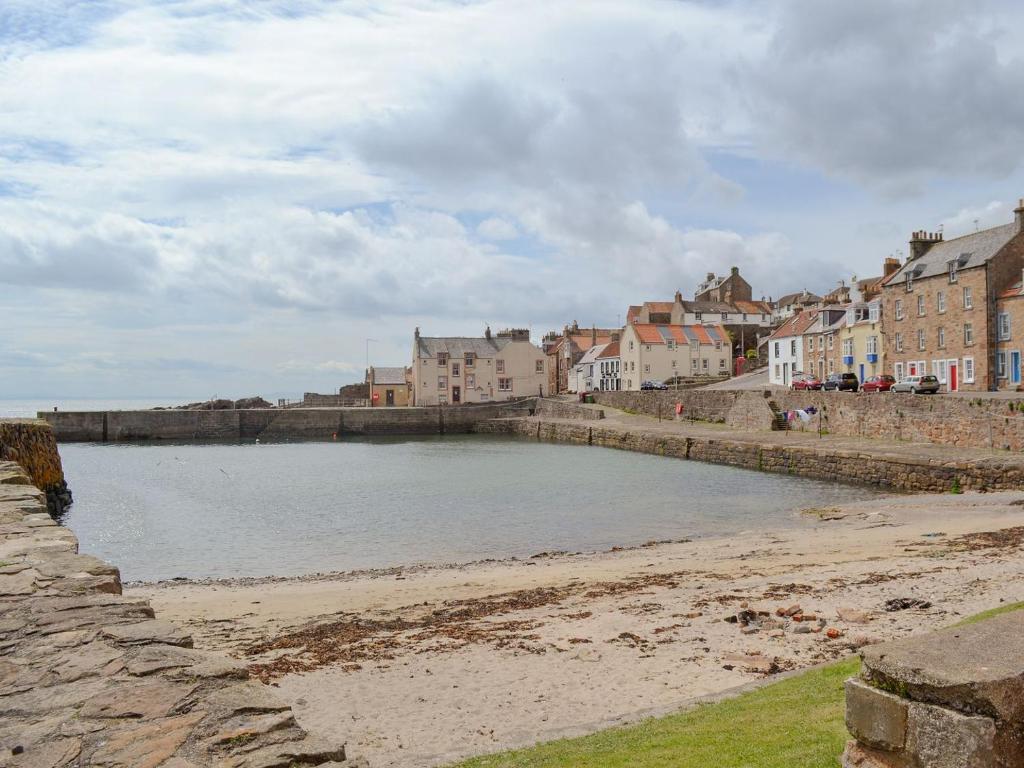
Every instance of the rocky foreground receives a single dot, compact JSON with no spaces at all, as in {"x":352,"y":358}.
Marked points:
{"x":89,"y":677}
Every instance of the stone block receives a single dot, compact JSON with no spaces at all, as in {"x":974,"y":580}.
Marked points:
{"x":858,"y":756}
{"x":940,"y":738}
{"x":878,"y":719}
{"x":977,"y":669}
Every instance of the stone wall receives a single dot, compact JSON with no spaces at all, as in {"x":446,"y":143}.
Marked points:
{"x":762,"y":453}
{"x":31,"y":444}
{"x":275,"y":424}
{"x":89,"y":677}
{"x":959,"y":420}
{"x":950,"y":699}
{"x":560,"y":409}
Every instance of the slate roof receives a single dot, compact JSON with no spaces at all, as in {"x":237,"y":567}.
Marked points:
{"x":388,"y":375}
{"x":591,"y":354}
{"x":972,"y":250}
{"x":753,"y":307}
{"x":458,"y":346}
{"x":802,"y":296}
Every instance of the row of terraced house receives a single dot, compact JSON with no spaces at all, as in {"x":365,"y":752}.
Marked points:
{"x":953,"y":309}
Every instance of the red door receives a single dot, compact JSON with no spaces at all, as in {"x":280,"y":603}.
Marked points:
{"x":912,"y":369}
{"x":952,"y":378}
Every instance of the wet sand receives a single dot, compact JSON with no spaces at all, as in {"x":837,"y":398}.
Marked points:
{"x":423,"y":666}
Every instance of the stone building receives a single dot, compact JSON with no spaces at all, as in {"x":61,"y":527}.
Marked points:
{"x":821,"y":342}
{"x":451,"y":370}
{"x":653,"y":352}
{"x":389,"y":386}
{"x":729,"y":288}
{"x":939,"y":309}
{"x":793,"y":304}
{"x":1010,"y":336}
{"x":564,"y":350}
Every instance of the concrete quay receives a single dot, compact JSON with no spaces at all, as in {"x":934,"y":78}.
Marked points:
{"x":88,"y":677}
{"x":891,"y":464}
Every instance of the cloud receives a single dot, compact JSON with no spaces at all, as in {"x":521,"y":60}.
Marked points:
{"x":892,"y":96}
{"x":496,"y":228}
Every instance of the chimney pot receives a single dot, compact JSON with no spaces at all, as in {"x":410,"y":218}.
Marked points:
{"x":1018,"y":216}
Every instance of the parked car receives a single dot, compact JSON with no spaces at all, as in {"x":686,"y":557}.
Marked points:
{"x":918,"y":385}
{"x":846,"y":382}
{"x":878,"y":384}
{"x":806,"y":381}
{"x":652,"y":385}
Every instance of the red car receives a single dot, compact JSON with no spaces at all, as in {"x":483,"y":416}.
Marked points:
{"x":806,"y":381}
{"x":878,"y":384}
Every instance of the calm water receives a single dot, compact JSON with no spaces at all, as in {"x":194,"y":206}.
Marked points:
{"x":161,"y":511}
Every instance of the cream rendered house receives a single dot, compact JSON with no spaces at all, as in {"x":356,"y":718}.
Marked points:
{"x":452,"y":370}
{"x":650,"y":352}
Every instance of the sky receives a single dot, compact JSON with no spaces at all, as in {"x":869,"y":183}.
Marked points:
{"x":217,"y":197}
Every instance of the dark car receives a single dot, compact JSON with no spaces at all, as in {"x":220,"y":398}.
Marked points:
{"x":803,"y":381}
{"x":845,"y":382}
{"x":652,"y":385}
{"x":878,"y":384}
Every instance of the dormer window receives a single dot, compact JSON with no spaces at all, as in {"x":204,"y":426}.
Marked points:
{"x":910,"y":281}
{"x":952,"y":270}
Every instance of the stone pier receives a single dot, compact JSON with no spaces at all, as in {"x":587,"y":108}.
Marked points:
{"x":89,"y":677}
{"x":950,"y":699}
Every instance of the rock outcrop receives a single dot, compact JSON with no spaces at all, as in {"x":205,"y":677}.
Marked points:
{"x":32,"y":444}
{"x":89,"y":677}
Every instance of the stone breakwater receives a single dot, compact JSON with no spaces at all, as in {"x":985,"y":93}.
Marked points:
{"x":272,"y":423}
{"x":31,"y":444}
{"x":896,"y":472}
{"x":89,"y":677}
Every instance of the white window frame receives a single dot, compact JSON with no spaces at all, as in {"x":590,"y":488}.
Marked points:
{"x":922,"y":339}
{"x":940,"y":301}
{"x":968,"y":370}
{"x":952,"y":271}
{"x":940,"y":337}
{"x":898,"y":341}
{"x":874,"y":312}
{"x":968,"y":333}
{"x":1000,"y":364}
{"x":968,"y":299}
{"x":899,"y":309}
{"x":872,"y":345}
{"x":921,"y":308}
{"x":898,"y":371}
{"x":1003,"y":323}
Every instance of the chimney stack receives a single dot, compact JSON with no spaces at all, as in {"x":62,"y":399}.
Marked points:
{"x":921,"y":242}
{"x":890,"y":266}
{"x":416,"y":335}
{"x":735,"y":271}
{"x":1018,"y":216}
{"x":487,"y":333}
{"x":593,"y":335}
{"x":711,"y":276}
{"x":679,"y":297}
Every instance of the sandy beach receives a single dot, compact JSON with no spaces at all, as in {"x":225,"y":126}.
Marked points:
{"x":424,"y":666}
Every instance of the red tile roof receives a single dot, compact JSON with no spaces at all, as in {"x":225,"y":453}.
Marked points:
{"x":796,"y":325}
{"x":659,"y":306}
{"x":1013,"y":290}
{"x":610,"y":350}
{"x":632,"y":314}
{"x":652,"y":333}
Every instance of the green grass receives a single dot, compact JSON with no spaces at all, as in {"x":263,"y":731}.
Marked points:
{"x":795,"y":723}
{"x":1008,"y":608}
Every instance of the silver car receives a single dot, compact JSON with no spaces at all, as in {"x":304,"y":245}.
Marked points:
{"x":917,"y":385}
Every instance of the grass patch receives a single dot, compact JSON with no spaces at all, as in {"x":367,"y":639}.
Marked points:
{"x":794,"y":723}
{"x":1008,"y":608}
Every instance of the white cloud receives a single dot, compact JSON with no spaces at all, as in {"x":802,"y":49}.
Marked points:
{"x":496,"y":228}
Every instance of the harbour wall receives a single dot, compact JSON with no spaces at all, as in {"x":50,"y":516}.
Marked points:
{"x":91,"y":677}
{"x":273,"y":424}
{"x":962,"y":421}
{"x":894,"y":472}
{"x":31,"y":444}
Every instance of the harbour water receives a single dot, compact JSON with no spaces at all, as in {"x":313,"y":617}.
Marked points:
{"x":228,"y":510}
